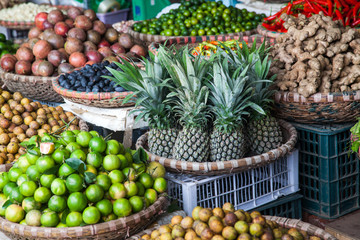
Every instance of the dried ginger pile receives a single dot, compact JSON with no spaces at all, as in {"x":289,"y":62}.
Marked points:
{"x":317,"y":55}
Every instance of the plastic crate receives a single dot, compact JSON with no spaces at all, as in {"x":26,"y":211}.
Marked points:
{"x":246,"y":190}
{"x":329,"y":174}
{"x":114,"y":17}
{"x":147,"y":9}
{"x":287,"y":206}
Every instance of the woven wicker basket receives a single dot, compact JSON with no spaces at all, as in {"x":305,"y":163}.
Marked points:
{"x":147,"y":39}
{"x":33,"y":87}
{"x":226,"y":167}
{"x":283,"y":222}
{"x":269,"y":34}
{"x":116,"y":229}
{"x":318,"y":108}
{"x":25,"y":25}
{"x":194,"y":41}
{"x":102,"y":99}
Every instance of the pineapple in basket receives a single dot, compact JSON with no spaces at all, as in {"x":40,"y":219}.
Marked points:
{"x":151,"y":91}
{"x":190,"y":96}
{"x":263,"y":132}
{"x":229,"y":95}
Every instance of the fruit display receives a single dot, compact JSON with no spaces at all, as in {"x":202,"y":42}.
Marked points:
{"x":225,"y":223}
{"x":317,"y":55}
{"x":7,"y":46}
{"x":200,"y":110}
{"x":78,"y":178}
{"x":200,"y":17}
{"x":24,"y":12}
{"x":21,"y":119}
{"x":346,"y":11}
{"x":89,"y":79}
{"x":59,"y":43}
{"x":209,"y":47}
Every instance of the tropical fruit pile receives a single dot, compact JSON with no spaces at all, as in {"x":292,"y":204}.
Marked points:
{"x":21,"y":119}
{"x":78,"y":178}
{"x":201,"y":110}
{"x":225,"y":224}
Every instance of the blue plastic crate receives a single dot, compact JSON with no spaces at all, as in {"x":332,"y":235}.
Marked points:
{"x":328,"y":173}
{"x":287,"y":207}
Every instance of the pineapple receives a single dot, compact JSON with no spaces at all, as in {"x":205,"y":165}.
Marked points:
{"x":263,"y":131}
{"x":230,"y":100}
{"x":149,"y":87}
{"x":190,"y":96}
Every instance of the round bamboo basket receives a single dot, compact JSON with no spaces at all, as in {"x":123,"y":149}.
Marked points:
{"x":33,"y":87}
{"x":194,"y":41}
{"x":147,"y":39}
{"x":116,"y":229}
{"x":26,"y":25}
{"x":318,"y":108}
{"x":101,"y":99}
{"x":283,"y":222}
{"x":225,"y":167}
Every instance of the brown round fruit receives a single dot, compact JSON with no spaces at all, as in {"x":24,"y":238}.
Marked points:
{"x":111,"y":59}
{"x":77,"y":59}
{"x":216,"y":226}
{"x":55,"y":16}
{"x":56,"y":58}
{"x":65,"y":68}
{"x":229,"y":233}
{"x":111,"y":35}
{"x":205,"y":214}
{"x":77,"y":33}
{"x":105,"y":51}
{"x":207,"y":234}
{"x":74,"y":12}
{"x":73,"y":45}
{"x":34,"y":33}
{"x":218,"y":212}
{"x":83,"y":22}
{"x":230,"y":219}
{"x":90,"y":14}
{"x":126,"y":40}
{"x":32,"y":42}
{"x":23,"y":67}
{"x":56,"y":41}
{"x":47,"y":33}
{"x":24,"y":54}
{"x":117,"y":48}
{"x":35,"y":66}
{"x":187,"y":222}
{"x":4,"y":139}
{"x":8,"y":64}
{"x":228,"y":207}
{"x":45,"y":69}
{"x":94,"y":56}
{"x":93,"y":36}
{"x":31,"y":132}
{"x":89,"y":46}
{"x":99,"y":26}
{"x":41,"y":49}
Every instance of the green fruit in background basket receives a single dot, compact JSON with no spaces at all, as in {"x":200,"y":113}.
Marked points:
{"x":97,"y":144}
{"x":74,"y":219}
{"x":14,"y":213}
{"x":50,"y":219}
{"x":95,"y":159}
{"x":105,"y":207}
{"x":122,"y":207}
{"x":83,"y":138}
{"x":111,"y":162}
{"x":91,"y":215}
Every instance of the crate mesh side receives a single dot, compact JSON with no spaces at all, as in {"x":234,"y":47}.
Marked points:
{"x":289,"y":209}
{"x":328,"y":173}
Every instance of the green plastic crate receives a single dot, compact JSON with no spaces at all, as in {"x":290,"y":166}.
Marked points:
{"x":288,"y":207}
{"x":328,"y":173}
{"x":147,"y":9}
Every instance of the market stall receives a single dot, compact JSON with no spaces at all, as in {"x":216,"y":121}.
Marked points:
{"x":249,"y":114}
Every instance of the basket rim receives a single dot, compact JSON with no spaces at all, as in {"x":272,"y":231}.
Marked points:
{"x":28,"y":24}
{"x":231,"y":166}
{"x":23,"y":78}
{"x":154,"y":46}
{"x":284,"y":222}
{"x":291,"y":97}
{"x":300,"y":225}
{"x":86,"y":95}
{"x":144,"y":36}
{"x":263,"y":31}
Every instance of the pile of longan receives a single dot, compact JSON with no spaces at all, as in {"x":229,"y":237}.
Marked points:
{"x":21,"y":118}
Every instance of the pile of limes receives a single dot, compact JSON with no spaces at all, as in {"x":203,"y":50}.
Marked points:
{"x":200,"y":17}
{"x":7,"y":46}
{"x":78,"y":178}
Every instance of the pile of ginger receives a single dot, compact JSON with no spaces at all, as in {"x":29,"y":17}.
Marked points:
{"x":316,"y":55}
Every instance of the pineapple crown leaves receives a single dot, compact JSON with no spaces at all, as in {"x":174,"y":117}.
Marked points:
{"x":189,"y":93}
{"x":257,"y":60}
{"x":230,"y":97}
{"x":150,"y":88}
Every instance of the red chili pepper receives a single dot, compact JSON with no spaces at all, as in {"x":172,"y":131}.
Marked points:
{"x":351,"y":2}
{"x":330,"y":11}
{"x":337,"y":4}
{"x":269,"y":27}
{"x":357,"y":22}
{"x":321,"y":9}
{"x":356,"y":9}
{"x":338,"y":14}
{"x":348,"y":17}
{"x":311,"y":6}
{"x":289,"y":8}
{"x":344,"y":4}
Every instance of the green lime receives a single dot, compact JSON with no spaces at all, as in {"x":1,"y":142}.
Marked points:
{"x":97,"y":144}
{"x":95,"y":159}
{"x":33,"y":173}
{"x":77,"y":202}
{"x":105,"y":207}
{"x":94,"y":193}
{"x":29,"y":204}
{"x":14,"y":213}
{"x":74,"y":219}
{"x":79,"y":154}
{"x":137,"y":203}
{"x":47,"y":179}
{"x":65,"y":170}
{"x":14,"y":174}
{"x":28,"y":188}
{"x":83,"y":138}
{"x":74,"y":182}
{"x":116,"y":176}
{"x":21,"y":179}
{"x":42,"y":195}
{"x":45,"y":163}
{"x":58,"y":187}
{"x":60,"y":155}
{"x":141,"y":189}
{"x":122,"y":207}
{"x":16,"y":196}
{"x":50,"y":219}
{"x":91,"y":215}
{"x":72,"y":146}
{"x":4,"y":179}
{"x":57,"y":203}
{"x":104,"y":181}
{"x":111,"y":162}
{"x":146,"y":180}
